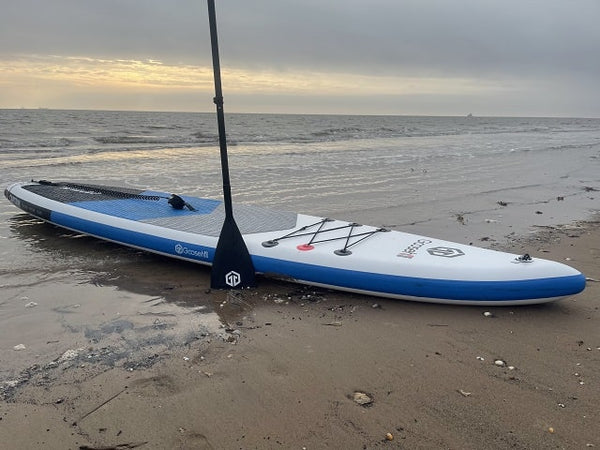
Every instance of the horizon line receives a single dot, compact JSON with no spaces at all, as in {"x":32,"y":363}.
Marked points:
{"x":465,"y":116}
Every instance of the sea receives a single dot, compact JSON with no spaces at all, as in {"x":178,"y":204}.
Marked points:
{"x":477,"y":180}
{"x":396,"y":169}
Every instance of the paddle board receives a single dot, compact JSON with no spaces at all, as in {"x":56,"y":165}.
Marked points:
{"x":306,"y":249}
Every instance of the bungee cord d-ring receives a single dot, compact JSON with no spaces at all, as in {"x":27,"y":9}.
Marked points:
{"x":318,"y":236}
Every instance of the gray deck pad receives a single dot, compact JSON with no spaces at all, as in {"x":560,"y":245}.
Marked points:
{"x":152,"y":207}
{"x":250,"y":219}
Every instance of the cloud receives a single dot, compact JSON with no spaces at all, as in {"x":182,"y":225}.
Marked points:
{"x":407,"y":37}
{"x":81,"y":71}
{"x":86,"y":74}
{"x":470,"y":51}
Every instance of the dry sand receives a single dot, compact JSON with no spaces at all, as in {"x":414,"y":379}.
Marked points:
{"x":284,"y":371}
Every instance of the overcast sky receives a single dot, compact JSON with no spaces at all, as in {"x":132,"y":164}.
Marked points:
{"x":434,"y":57}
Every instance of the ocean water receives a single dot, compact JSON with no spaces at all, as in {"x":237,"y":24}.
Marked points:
{"x":311,"y":163}
{"x":476,"y":180}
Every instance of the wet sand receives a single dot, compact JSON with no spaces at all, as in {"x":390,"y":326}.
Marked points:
{"x":279,"y":366}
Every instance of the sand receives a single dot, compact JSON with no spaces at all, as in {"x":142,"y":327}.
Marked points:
{"x":283,"y":367}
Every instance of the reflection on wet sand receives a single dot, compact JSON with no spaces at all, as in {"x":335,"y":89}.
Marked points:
{"x":97,"y":302}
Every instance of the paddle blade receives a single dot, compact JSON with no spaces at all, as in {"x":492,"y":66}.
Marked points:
{"x":232,"y":266}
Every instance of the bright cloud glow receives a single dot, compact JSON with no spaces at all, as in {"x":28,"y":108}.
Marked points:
{"x":112,"y":83}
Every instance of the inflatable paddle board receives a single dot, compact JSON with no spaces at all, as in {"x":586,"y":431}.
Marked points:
{"x":305,"y":249}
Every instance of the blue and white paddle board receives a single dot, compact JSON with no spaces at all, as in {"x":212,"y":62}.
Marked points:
{"x":305,"y":249}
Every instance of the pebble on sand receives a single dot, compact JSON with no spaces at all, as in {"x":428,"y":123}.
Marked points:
{"x":362,"y":399}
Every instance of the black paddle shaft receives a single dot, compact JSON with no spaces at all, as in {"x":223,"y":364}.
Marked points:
{"x":232,"y":264}
{"x":218,"y":100}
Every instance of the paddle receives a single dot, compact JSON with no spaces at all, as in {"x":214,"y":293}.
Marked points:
{"x":232,"y":265}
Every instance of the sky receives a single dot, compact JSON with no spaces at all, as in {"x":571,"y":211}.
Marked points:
{"x":405,"y":57}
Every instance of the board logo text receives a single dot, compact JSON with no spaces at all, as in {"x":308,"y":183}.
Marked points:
{"x":410,"y":251}
{"x":185,"y":251}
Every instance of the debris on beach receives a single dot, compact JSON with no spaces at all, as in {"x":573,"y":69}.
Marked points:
{"x":488,"y":314}
{"x":31,"y":305}
{"x":499,"y":362}
{"x":230,"y":339}
{"x":19,"y":347}
{"x":305,"y":294}
{"x":501,"y":203}
{"x":362,"y":399}
{"x":460,"y":218}
{"x":464,"y":393}
{"x":69,"y":355}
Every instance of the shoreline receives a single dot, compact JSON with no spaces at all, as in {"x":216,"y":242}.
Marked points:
{"x":280,"y":366}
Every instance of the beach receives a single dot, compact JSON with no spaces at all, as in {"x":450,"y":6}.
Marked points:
{"x":105,"y":347}
{"x":288,"y":367}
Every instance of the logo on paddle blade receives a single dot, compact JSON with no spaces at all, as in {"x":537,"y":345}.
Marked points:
{"x":446,"y":252}
{"x":233,"y":278}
